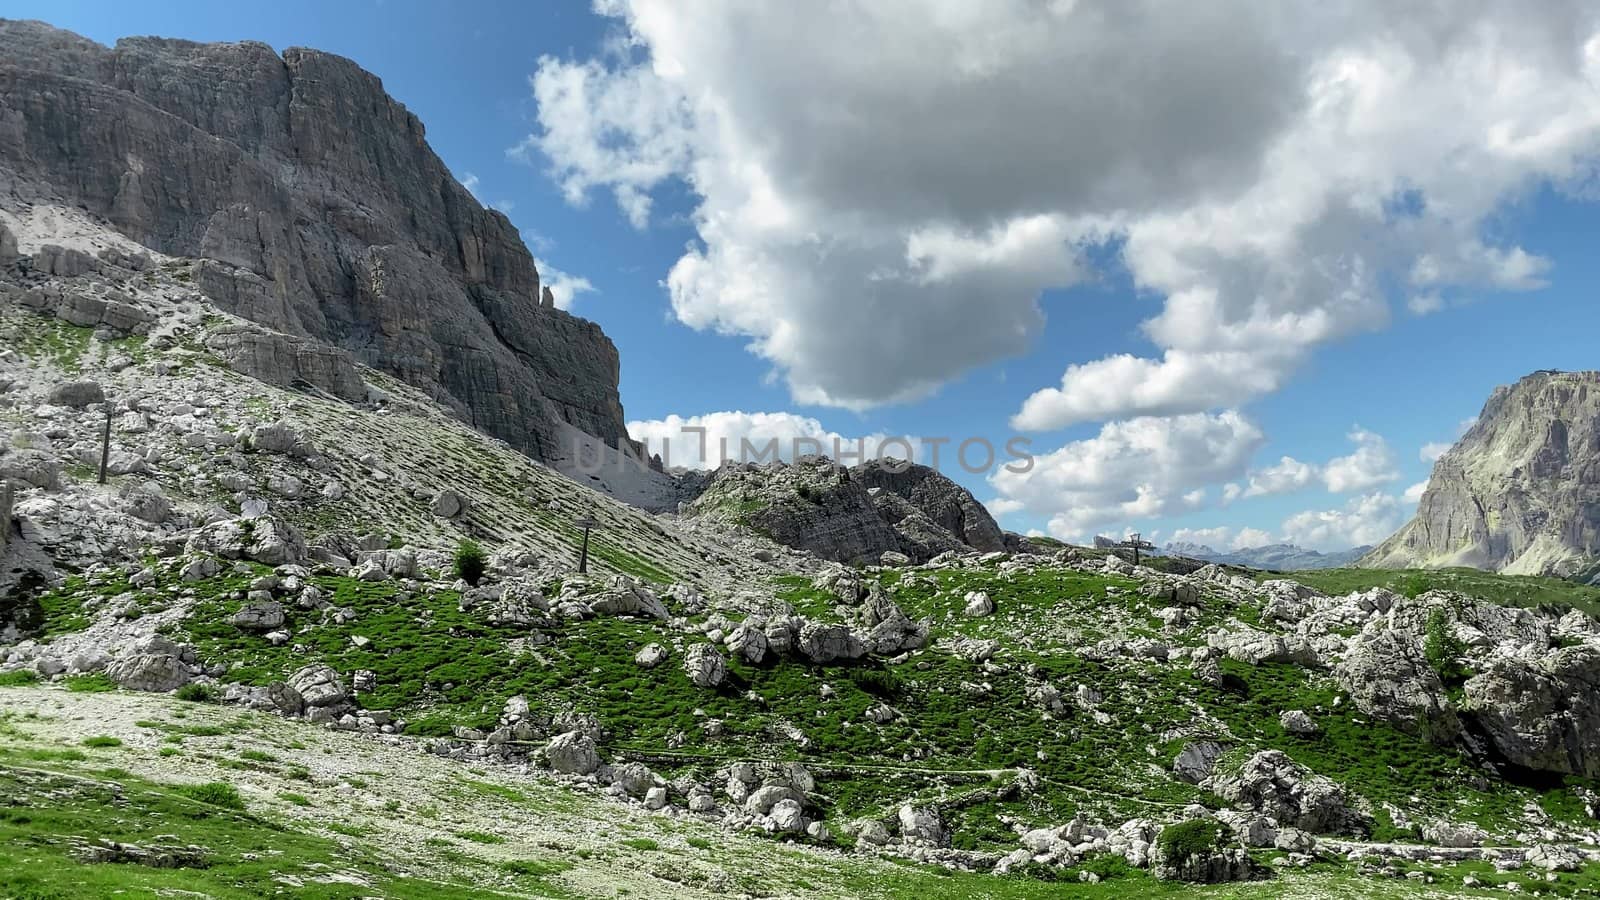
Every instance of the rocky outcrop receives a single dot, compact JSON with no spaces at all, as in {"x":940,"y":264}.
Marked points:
{"x":1542,"y":711}
{"x":288,"y":362}
{"x":1520,"y":492}
{"x":315,"y":207}
{"x":852,"y":515}
{"x":1273,"y":784}
{"x":945,"y":503}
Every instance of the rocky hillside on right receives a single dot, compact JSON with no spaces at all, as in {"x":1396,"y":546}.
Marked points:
{"x":1519,"y":493}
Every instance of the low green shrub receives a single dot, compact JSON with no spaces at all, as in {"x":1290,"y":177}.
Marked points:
{"x":197,"y":693}
{"x":214,"y":793}
{"x":1186,"y":839}
{"x":470,"y":561}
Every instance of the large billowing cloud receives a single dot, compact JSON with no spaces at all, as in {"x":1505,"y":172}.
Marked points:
{"x":885,"y":188}
{"x":1134,"y":470}
{"x":1367,"y":519}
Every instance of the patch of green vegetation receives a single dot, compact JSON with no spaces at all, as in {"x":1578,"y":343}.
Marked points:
{"x":197,"y":693}
{"x":1443,"y":650}
{"x":1507,"y":590}
{"x":18,"y":677}
{"x":1185,"y":840}
{"x":102,"y":740}
{"x":296,"y":799}
{"x":214,"y":793}
{"x":470,"y":561}
{"x":535,"y":868}
{"x":642,"y":844}
{"x":95,"y":683}
{"x":245,"y":856}
{"x":47,"y":338}
{"x":480,"y":837}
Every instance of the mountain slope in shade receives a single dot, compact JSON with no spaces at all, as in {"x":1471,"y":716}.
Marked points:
{"x":1520,"y":492}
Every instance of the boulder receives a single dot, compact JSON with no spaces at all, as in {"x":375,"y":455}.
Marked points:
{"x":1273,"y":784}
{"x":626,"y":596}
{"x":1195,"y":761}
{"x":274,"y":438}
{"x":705,"y":666}
{"x":449,"y":505}
{"x":34,"y":467}
{"x":146,"y":501}
{"x":1295,"y":721}
{"x":154,"y":664}
{"x":1542,"y":711}
{"x":978,"y":605}
{"x":787,"y":817}
{"x":748,"y":642}
{"x":827,"y":642}
{"x":259,"y":617}
{"x":921,"y":825}
{"x":1388,"y":678}
{"x":763,"y":799}
{"x":319,"y":686}
{"x":77,"y":394}
{"x":650,"y":656}
{"x":634,"y":778}
{"x":572,"y":753}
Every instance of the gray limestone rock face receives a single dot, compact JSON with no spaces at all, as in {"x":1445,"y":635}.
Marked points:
{"x":1389,"y":678}
{"x":850,"y":515}
{"x":1542,"y":711}
{"x":316,"y":208}
{"x":945,"y":503}
{"x":288,"y":362}
{"x":1520,"y":492}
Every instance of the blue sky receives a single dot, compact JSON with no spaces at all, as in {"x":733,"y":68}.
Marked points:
{"x":700,"y":106}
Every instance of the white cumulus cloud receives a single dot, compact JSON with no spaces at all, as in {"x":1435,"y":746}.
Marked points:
{"x":879,"y":209}
{"x":1133,"y":470}
{"x":1284,"y":477}
{"x":1367,"y":519}
{"x":1371,"y":464}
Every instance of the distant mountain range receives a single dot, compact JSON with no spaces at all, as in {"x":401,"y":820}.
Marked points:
{"x":1283,"y":557}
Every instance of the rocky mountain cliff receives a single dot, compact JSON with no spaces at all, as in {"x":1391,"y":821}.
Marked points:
{"x":316,"y":208}
{"x":1520,"y":492}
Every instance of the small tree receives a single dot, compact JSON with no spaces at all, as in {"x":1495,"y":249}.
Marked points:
{"x":470,"y":561}
{"x":1443,"y":649}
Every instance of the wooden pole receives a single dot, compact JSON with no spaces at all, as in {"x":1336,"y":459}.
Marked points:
{"x":583,"y":558}
{"x":105,"y":445}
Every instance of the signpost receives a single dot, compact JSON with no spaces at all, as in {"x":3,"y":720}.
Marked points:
{"x":105,"y":443}
{"x":586,"y":523}
{"x":1136,"y":542}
